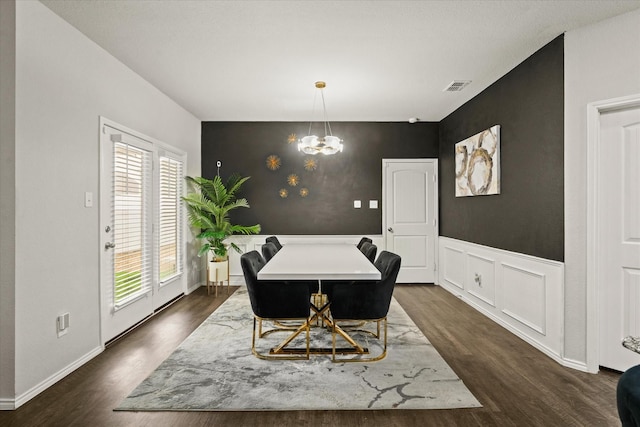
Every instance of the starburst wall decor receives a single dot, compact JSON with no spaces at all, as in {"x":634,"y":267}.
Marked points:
{"x":310,"y":164}
{"x":293,"y":180}
{"x":273,"y":162}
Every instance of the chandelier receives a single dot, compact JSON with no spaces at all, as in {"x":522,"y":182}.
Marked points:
{"x":313,"y":144}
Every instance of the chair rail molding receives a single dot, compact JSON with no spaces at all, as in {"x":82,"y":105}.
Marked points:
{"x":523,"y":293}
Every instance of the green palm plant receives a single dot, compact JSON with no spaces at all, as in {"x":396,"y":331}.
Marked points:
{"x":208,"y":210}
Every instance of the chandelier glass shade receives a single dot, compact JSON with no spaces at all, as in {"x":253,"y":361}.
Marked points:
{"x":312,"y":144}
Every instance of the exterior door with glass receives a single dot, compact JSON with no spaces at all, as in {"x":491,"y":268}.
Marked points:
{"x":140,"y":228}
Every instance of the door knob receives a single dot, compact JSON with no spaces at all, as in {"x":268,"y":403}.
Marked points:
{"x":109,"y":245}
{"x":390,"y":230}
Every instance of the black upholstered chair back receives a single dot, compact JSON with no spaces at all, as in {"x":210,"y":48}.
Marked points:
{"x":268,"y":251}
{"x":275,"y":241}
{"x":369,"y":250}
{"x":363,"y":240}
{"x":364,"y":299}
{"x":273,"y":299}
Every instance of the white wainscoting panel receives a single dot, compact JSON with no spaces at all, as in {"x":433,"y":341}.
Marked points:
{"x":524,"y":299}
{"x":481,"y":278}
{"x":249,"y":243}
{"x":454,"y":266}
{"x":525,"y":294}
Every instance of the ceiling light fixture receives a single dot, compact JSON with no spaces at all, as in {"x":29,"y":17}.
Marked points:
{"x":313,"y":144}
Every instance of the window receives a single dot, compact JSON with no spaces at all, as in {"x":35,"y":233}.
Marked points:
{"x":169,"y":218}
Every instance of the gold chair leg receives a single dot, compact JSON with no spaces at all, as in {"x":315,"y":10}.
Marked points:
{"x":280,"y":352}
{"x":336,"y":330}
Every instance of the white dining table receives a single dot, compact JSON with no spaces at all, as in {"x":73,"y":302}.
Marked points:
{"x":306,"y":262}
{"x":319,"y":262}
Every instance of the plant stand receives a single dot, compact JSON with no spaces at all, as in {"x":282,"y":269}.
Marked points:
{"x":217,"y":273}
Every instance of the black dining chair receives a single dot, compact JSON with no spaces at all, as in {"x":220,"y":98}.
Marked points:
{"x":275,"y":301}
{"x":363,"y":240}
{"x":275,"y":241}
{"x":268,"y":251}
{"x":365,"y":301}
{"x":369,"y":250}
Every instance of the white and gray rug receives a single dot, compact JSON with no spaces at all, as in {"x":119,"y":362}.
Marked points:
{"x":214,"y":370}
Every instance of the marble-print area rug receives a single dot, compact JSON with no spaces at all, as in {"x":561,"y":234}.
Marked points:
{"x":214,"y":370}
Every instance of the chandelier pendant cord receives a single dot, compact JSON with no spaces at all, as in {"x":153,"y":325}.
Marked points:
{"x":313,"y":109}
{"x":326,"y":119}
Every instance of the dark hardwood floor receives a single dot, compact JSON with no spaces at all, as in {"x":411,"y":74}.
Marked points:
{"x":516,"y":384}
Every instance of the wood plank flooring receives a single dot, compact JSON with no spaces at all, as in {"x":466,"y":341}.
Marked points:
{"x":516,"y":384}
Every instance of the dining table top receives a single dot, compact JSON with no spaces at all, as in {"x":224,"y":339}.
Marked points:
{"x":319,"y":262}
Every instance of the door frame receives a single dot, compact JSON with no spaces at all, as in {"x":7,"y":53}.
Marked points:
{"x":436,"y":197}
{"x":594,"y":110}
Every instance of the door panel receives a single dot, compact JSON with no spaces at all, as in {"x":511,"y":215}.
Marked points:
{"x":619,"y":236}
{"x":141,"y":221}
{"x":410,"y":217}
{"x":126,"y":208}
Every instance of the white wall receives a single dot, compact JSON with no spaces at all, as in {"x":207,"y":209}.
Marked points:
{"x":64,"y":82}
{"x":602,"y":61}
{"x":7,"y":197}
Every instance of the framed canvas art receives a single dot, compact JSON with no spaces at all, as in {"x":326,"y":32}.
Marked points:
{"x":478,"y":164}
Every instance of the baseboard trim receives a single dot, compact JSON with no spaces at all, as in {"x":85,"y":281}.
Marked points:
{"x":192,"y":288}
{"x":7,"y":404}
{"x":577,"y":365}
{"x":39,"y":388}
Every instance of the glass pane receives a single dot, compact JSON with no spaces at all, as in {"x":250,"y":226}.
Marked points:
{"x":131,"y":269}
{"x":169,"y":220}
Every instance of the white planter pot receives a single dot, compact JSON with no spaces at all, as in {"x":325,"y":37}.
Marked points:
{"x":217,"y":273}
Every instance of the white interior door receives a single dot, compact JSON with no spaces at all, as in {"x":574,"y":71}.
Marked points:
{"x":619,"y":236}
{"x":140,"y":228}
{"x":410,"y":216}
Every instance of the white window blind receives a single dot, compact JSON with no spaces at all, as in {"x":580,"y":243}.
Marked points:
{"x":169,"y":218}
{"x":132,"y":194}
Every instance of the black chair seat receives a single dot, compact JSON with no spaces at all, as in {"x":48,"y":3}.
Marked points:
{"x":365,"y":300}
{"x":275,"y":301}
{"x":269,"y":250}
{"x":369,"y":250}
{"x":628,"y":397}
{"x":275,"y":241}
{"x":362,"y":241}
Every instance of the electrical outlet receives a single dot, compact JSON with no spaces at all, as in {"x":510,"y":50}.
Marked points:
{"x":357,"y":204}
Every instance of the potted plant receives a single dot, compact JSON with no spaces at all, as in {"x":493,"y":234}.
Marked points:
{"x":208,"y":209}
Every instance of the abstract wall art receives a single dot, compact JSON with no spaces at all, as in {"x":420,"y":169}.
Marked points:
{"x":478,"y":164}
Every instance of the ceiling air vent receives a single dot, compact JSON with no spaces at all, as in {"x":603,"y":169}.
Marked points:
{"x":456,"y":85}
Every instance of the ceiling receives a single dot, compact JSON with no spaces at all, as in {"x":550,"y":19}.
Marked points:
{"x":381,"y":60}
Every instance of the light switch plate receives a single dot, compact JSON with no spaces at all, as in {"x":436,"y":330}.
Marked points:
{"x":357,"y":204}
{"x":88,"y":199}
{"x":373,"y":204}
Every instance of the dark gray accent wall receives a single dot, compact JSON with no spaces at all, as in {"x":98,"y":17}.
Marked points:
{"x":338,"y":180}
{"x":528,"y":216}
